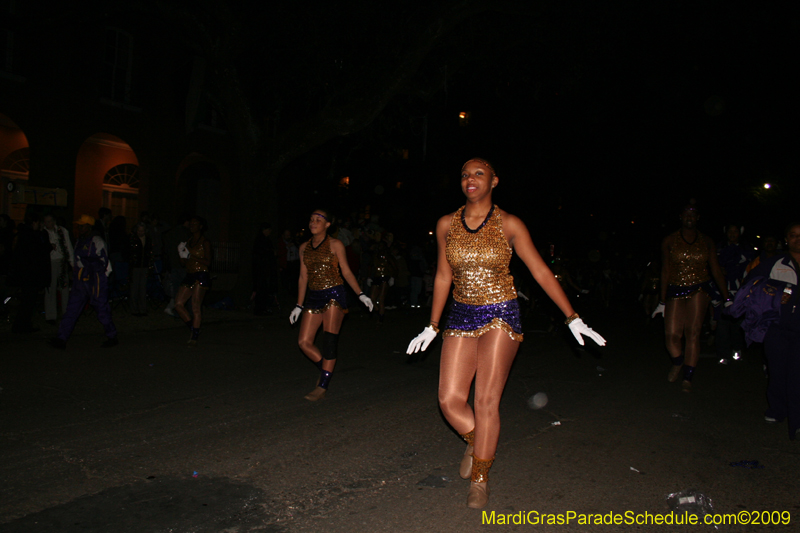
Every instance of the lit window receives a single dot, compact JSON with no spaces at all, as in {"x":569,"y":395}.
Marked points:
{"x":121,"y":191}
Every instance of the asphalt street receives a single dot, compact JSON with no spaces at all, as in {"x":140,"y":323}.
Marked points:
{"x":155,"y":436}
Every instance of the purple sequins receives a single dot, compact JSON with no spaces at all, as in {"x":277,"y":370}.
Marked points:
{"x":320,"y":301}
{"x":465,"y":320}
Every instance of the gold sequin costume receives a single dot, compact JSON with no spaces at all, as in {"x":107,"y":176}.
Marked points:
{"x":325,"y":284}
{"x":688,"y":266}
{"x":196,"y":272}
{"x":381,"y":265}
{"x":484,"y":294}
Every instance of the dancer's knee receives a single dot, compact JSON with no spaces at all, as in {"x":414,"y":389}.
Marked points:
{"x":305,"y":344}
{"x":487,"y":404}
{"x":451,"y":402}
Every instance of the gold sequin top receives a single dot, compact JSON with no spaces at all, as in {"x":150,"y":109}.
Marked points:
{"x":688,"y":263}
{"x":381,"y":266}
{"x":196,"y":252}
{"x":322,"y":266}
{"x":479,"y":259}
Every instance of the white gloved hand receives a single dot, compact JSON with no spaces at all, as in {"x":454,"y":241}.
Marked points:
{"x":391,"y":281}
{"x":421,"y":341}
{"x":366,"y":301}
{"x":295,"y":314}
{"x":578,"y":328}
{"x":658,"y":311}
{"x":183,"y":251}
{"x":728,"y":303}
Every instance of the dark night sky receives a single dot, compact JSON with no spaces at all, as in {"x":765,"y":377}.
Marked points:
{"x":614,"y":111}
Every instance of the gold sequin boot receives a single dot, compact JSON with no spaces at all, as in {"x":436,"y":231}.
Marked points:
{"x":478,"y":495}
{"x":465,"y":471}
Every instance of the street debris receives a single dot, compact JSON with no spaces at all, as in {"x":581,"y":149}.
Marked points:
{"x":748,"y":464}
{"x":691,"y":501}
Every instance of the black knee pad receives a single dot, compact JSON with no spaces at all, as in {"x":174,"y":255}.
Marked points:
{"x":329,"y":342}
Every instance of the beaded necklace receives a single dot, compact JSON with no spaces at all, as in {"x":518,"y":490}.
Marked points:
{"x":485,"y":220}
{"x":311,"y":242}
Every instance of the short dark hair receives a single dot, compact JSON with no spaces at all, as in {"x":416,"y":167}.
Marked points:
{"x":328,"y":214}
{"x":103,"y":211}
{"x":202,"y":221}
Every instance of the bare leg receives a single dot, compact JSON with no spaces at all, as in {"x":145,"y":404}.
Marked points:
{"x":382,"y":298}
{"x":496,"y":352}
{"x":457,"y":368}
{"x":198,"y":293}
{"x":184,"y":293}
{"x":674,"y":324}
{"x":693,"y":325}
{"x":309,"y":325}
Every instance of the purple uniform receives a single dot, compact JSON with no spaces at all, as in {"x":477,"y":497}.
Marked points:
{"x":89,"y":285}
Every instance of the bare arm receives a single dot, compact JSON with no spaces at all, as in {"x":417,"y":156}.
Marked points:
{"x":665,"y":273}
{"x":302,"y":282}
{"x":520,"y":240}
{"x":444,"y":274}
{"x":338,"y":249}
{"x":206,"y":259}
{"x":716,"y":270}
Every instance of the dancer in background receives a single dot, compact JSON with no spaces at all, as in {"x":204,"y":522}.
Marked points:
{"x":688,"y":261}
{"x":321,"y":289}
{"x":483,"y":331}
{"x":196,"y":259}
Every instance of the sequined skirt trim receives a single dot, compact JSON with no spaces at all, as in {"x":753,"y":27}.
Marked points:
{"x":465,"y":320}
{"x":194,"y":278}
{"x":321,"y":301}
{"x":676,"y":292}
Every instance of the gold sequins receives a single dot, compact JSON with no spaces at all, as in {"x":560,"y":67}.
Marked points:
{"x":496,"y":323}
{"x":480,"y":469}
{"x":688,"y":263}
{"x":480,"y":262}
{"x":196,"y":252}
{"x":322,"y":266}
{"x":332,"y":303}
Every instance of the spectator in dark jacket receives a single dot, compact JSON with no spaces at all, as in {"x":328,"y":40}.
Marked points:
{"x":30,"y":270}
{"x":141,"y":255}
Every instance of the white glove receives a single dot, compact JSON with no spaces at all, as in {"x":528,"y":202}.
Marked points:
{"x":578,"y":328}
{"x":391,"y":281}
{"x":183,"y":251}
{"x":658,"y":311}
{"x":366,"y":301}
{"x":295,"y":314}
{"x":421,"y":341}
{"x":728,"y":303}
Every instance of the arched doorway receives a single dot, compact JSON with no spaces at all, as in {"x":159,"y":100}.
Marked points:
{"x":121,"y":192}
{"x":106,"y":175}
{"x":14,"y":165}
